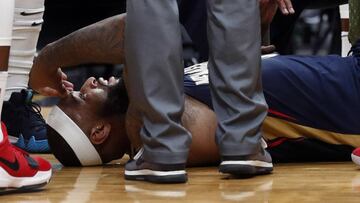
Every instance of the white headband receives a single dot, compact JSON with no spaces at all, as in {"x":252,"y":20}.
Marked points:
{"x":74,"y":136}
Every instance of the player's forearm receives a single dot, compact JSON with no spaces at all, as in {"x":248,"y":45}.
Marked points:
{"x":102,"y":42}
{"x":4,"y":57}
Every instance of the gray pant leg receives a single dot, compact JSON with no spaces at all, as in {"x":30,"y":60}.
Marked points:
{"x":155,"y":78}
{"x":234,"y":71}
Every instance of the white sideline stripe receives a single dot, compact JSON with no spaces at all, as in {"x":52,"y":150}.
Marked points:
{"x":250,"y":163}
{"x":355,"y":159}
{"x":6,"y":180}
{"x":154,"y":173}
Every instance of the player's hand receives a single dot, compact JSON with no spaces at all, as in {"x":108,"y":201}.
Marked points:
{"x":285,"y":6}
{"x":268,"y":10}
{"x":48,"y":80}
{"x":110,"y":82}
{"x":267,"y":49}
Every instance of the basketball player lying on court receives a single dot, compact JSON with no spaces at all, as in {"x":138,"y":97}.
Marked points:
{"x":313,"y":104}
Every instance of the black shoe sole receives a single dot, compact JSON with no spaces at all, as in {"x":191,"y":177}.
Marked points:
{"x":159,"y":179}
{"x":24,"y":189}
{"x":244,"y":170}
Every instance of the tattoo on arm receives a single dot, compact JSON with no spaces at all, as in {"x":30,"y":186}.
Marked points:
{"x":101,"y":42}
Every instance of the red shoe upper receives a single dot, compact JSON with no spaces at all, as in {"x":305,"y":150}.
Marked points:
{"x":17,"y":162}
{"x":356,"y":151}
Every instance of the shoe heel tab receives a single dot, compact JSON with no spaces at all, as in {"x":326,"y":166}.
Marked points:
{"x":28,"y":95}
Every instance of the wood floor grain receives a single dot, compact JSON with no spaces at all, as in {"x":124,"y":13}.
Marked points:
{"x":300,"y":182}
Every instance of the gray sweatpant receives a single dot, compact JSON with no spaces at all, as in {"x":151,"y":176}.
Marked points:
{"x":155,"y":76}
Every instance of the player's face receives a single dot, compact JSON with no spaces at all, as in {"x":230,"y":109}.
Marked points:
{"x":83,"y":106}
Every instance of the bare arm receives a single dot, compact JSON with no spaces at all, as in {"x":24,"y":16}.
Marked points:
{"x":101,"y":42}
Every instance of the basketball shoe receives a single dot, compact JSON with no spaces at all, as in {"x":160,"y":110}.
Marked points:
{"x":19,"y":171}
{"x":251,"y":165}
{"x":355,"y":156}
{"x":139,"y":169}
{"x":26,"y":126}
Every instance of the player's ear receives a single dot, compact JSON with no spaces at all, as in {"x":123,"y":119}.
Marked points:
{"x":99,"y":133}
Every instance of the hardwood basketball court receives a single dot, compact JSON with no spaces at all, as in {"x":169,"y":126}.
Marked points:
{"x":300,"y":182}
{"x":296,"y":182}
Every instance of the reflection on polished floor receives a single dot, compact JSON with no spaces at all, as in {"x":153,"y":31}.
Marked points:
{"x":300,"y":182}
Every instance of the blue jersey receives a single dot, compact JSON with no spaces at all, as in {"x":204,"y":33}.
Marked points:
{"x":314,"y":105}
{"x":196,"y":83}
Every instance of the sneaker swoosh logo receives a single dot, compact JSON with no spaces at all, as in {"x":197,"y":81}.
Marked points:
{"x":36,"y":24}
{"x":12,"y":165}
{"x":30,"y":13}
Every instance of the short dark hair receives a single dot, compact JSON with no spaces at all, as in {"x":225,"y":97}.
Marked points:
{"x":116,"y":104}
{"x":61,"y":149}
{"x":117,"y":101}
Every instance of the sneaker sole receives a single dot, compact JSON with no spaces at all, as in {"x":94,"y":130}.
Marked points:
{"x":355,"y":159}
{"x":10,"y":182}
{"x":30,"y":188}
{"x":246,"y":168}
{"x":157,"y":176}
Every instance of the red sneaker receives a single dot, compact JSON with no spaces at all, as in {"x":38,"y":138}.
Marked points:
{"x":355,"y":156}
{"x":19,"y":171}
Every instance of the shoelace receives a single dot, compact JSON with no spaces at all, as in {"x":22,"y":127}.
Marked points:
{"x":30,"y":161}
{"x":36,"y":109}
{"x":355,"y":49}
{"x":19,"y":150}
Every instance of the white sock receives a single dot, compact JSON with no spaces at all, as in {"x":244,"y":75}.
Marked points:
{"x":6,"y":22}
{"x":23,"y":45}
{"x":3,"y":79}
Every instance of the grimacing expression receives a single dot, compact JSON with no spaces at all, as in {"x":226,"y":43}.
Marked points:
{"x":99,"y":102}
{"x":86,"y":105}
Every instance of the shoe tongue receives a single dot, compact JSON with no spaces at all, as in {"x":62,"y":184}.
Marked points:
{"x":28,"y":95}
{"x":21,"y":97}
